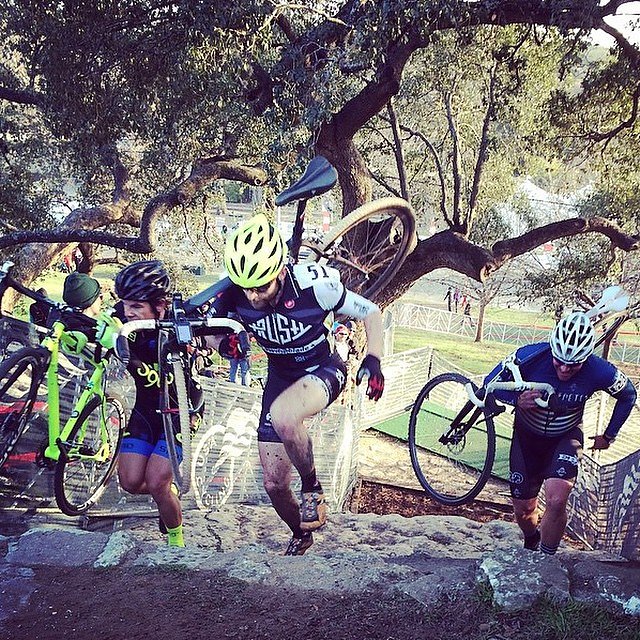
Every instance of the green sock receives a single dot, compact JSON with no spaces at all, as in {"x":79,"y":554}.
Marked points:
{"x":175,"y":536}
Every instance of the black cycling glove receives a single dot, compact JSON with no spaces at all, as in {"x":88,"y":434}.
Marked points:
{"x":370,"y":367}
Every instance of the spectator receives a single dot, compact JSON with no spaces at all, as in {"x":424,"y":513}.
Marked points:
{"x":342,"y":343}
{"x":67,"y":263}
{"x":456,"y":298}
{"x":77,"y":258}
{"x":467,"y":312}
{"x":448,"y":297}
{"x":241,"y":363}
{"x":83,"y":293}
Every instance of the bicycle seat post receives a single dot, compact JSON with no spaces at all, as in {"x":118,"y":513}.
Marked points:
{"x":296,"y":236}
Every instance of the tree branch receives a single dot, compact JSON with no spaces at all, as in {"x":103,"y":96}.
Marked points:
{"x":484,"y":145}
{"x":507,"y":249}
{"x":439,"y":170}
{"x":455,"y":165}
{"x":23,"y":96}
{"x":397,"y":150}
{"x":75,"y":227}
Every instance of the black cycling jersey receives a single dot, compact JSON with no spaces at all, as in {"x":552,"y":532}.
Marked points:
{"x":292,"y":333}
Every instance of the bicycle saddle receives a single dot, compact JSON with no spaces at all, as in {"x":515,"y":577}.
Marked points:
{"x":317,"y":178}
{"x":210,"y":293}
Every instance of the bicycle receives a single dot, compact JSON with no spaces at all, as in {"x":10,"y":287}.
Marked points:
{"x":452,"y":434}
{"x":367,"y":246}
{"x":175,"y":374}
{"x":85,"y":448}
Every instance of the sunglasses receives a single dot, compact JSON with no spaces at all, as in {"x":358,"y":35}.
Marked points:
{"x":261,"y":289}
{"x":568,"y":365}
{"x":342,"y":333}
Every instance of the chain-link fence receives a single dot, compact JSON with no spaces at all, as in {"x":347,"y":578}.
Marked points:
{"x":427,"y":319}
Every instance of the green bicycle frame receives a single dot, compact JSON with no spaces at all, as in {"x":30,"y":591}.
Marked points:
{"x":57,"y":338}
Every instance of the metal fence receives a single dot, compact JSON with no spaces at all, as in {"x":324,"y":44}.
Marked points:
{"x":428,"y":319}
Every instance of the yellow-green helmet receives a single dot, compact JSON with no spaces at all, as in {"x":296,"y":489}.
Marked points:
{"x":255,"y":253}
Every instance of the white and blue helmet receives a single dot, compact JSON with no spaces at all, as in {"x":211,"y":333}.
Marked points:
{"x":573,"y":338}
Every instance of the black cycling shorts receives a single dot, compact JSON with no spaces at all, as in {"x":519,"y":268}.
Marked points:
{"x":534,"y":458}
{"x":332,"y":375}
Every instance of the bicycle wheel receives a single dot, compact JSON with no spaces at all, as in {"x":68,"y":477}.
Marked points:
{"x":452,"y":442}
{"x":181,"y":467}
{"x":369,"y":245}
{"x":88,"y":455}
{"x":20,"y":378}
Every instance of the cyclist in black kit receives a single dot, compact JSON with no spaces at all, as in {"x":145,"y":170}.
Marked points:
{"x":144,"y":465}
{"x":285,"y":307}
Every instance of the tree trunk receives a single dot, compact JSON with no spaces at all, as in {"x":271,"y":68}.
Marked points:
{"x":480,"y":326}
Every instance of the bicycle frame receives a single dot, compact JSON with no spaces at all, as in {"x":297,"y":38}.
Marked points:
{"x":318,"y":178}
{"x":517,"y":384}
{"x":57,"y":435}
{"x":367,"y":246}
{"x":56,"y":339}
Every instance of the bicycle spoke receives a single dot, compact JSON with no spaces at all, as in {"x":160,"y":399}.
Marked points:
{"x":452,"y":443}
{"x":369,"y":245}
{"x":89,"y":457}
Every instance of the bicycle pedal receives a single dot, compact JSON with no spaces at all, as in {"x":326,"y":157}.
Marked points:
{"x":85,"y":450}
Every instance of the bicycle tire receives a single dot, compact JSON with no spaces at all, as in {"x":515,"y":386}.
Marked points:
{"x":80,"y":480}
{"x":181,"y":468}
{"x":369,"y":245}
{"x":20,"y":377}
{"x":452,"y":466}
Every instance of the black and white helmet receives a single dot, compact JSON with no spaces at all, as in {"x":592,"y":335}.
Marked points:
{"x":145,"y":281}
{"x":573,"y":338}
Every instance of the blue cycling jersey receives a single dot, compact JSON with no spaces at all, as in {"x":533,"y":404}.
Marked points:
{"x":596,"y":374}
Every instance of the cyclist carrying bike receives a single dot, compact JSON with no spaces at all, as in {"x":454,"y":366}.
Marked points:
{"x":144,"y":466}
{"x":547,"y":443}
{"x":285,"y":307}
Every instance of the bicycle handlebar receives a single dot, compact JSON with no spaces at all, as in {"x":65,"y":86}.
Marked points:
{"x":519,"y":385}
{"x":182,"y":328}
{"x":8,"y":282}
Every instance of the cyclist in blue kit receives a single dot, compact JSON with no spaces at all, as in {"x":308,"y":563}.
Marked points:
{"x":285,"y":307}
{"x":547,"y":443}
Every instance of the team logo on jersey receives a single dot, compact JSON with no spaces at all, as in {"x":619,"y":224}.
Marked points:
{"x":279,"y":329}
{"x":151,"y":375}
{"x":289,"y":304}
{"x":619,"y":383}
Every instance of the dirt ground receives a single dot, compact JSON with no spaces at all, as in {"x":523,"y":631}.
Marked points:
{"x":136,"y":604}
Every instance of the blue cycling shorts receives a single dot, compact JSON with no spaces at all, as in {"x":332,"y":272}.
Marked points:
{"x":145,"y":436}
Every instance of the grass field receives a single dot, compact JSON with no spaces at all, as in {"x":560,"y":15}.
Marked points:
{"x":462,"y":352}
